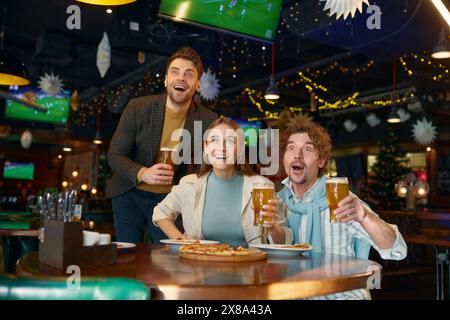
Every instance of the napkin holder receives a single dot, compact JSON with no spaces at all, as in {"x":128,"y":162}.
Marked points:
{"x":61,"y":245}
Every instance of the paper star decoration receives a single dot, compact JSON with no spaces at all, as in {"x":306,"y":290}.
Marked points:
{"x":404,"y":116}
{"x":283,"y":118}
{"x":209,"y":87}
{"x":373,"y":120}
{"x":75,"y":101}
{"x":424,"y":132}
{"x":50,"y":84}
{"x":104,"y":55}
{"x":344,"y":7}
{"x":26,"y":139}
{"x":350,"y":125}
{"x":287,"y":119}
{"x":299,"y":119}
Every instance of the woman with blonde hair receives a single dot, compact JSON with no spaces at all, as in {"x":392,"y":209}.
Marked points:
{"x":215,"y":204}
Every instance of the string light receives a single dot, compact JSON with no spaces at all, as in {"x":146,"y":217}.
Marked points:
{"x":336,"y":66}
{"x":441,"y":71}
{"x":87,"y":113}
{"x":259,"y":95}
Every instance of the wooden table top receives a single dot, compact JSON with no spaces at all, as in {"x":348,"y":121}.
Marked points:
{"x":423,"y":239}
{"x":171,"y":277}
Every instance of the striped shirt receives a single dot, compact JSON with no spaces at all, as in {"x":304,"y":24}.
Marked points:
{"x":339,"y":239}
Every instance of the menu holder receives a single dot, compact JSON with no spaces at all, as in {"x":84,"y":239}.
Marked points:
{"x":62,"y":245}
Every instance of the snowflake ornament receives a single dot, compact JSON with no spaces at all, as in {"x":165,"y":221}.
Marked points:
{"x":209,"y":87}
{"x":50,"y":84}
{"x":424,"y":132}
{"x":344,"y":7}
{"x":373,"y":120}
{"x":404,"y":115}
{"x":350,"y":125}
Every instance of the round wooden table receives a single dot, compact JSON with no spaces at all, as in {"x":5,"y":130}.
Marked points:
{"x":278,"y":277}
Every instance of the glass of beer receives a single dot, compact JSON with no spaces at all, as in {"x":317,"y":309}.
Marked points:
{"x":165,"y":156}
{"x":261,"y":195}
{"x":337,"y":189}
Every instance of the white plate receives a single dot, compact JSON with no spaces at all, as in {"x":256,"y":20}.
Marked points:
{"x":280,"y":249}
{"x":173,"y":242}
{"x":124,"y":245}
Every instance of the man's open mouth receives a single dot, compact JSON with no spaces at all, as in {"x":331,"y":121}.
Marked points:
{"x":180,"y":88}
{"x":297,"y":168}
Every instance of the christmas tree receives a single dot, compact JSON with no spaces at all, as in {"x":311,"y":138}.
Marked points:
{"x":389,"y":168}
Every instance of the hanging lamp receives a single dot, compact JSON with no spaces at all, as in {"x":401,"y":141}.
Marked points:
{"x":272,"y":92}
{"x":394,"y":116}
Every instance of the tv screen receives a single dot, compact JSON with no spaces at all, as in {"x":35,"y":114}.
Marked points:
{"x":18,"y":170}
{"x":57,"y":106}
{"x":251,"y":131}
{"x":256,"y":19}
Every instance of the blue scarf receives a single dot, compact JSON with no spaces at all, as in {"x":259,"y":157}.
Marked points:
{"x":313,"y":210}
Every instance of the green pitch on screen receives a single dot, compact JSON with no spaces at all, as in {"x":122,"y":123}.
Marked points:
{"x":22,"y":172}
{"x":251,"y":136}
{"x":57,"y":110}
{"x":258,"y":18}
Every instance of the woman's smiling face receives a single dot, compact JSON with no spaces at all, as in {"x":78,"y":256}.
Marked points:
{"x":221,"y":147}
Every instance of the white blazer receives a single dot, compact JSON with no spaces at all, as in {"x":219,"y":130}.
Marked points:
{"x":188,"y":199}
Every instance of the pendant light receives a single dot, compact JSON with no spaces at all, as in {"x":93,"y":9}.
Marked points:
{"x":394,"y":116}
{"x":97,"y":139}
{"x":442,"y":49}
{"x":272,"y":91}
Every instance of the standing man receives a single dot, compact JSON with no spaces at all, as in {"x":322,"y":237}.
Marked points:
{"x":306,"y":149}
{"x":139,"y":181}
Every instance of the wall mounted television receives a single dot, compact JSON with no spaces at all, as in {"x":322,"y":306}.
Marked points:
{"x":58,"y":107}
{"x":256,"y":19}
{"x":18,"y":170}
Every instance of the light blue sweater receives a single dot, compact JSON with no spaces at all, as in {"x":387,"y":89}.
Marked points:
{"x":222,"y":219}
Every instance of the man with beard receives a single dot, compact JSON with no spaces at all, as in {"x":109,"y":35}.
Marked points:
{"x":306,"y":149}
{"x":139,"y":181}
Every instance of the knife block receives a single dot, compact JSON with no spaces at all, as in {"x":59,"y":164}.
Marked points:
{"x":62,"y":246}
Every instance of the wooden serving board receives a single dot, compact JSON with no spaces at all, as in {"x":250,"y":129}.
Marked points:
{"x":254,"y":255}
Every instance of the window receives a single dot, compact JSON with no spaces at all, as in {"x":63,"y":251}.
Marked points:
{"x":416,"y":161}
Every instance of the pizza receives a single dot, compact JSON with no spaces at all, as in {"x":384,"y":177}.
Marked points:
{"x":214,"y":250}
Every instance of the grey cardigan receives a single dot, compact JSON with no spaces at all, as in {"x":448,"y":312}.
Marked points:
{"x":136,"y":141}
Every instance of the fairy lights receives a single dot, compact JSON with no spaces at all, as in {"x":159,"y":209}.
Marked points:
{"x":440,"y":70}
{"x":86,"y":115}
